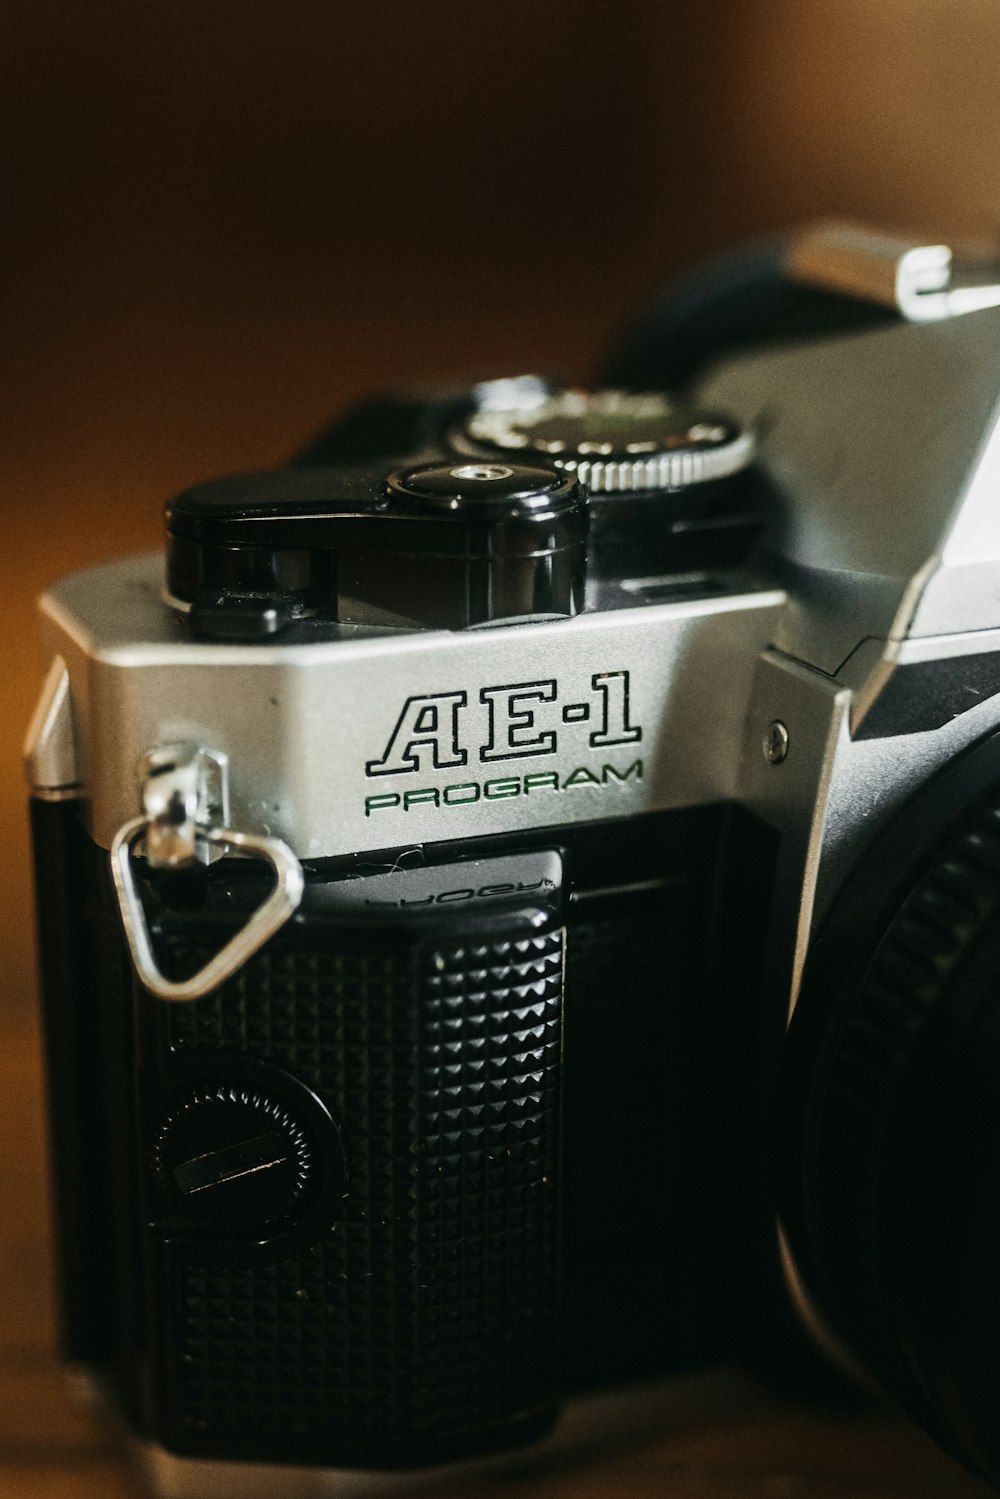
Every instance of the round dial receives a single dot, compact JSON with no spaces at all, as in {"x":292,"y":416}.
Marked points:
{"x":230,"y":1158}
{"x":615,"y":441}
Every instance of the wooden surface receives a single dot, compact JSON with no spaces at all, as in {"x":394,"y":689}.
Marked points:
{"x":713,"y":1437}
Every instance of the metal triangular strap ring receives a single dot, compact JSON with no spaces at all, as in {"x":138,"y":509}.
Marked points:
{"x":282,"y":903}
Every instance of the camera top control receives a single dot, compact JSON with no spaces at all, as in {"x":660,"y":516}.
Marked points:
{"x":508,"y":500}
{"x":475,"y":488}
{"x":439,"y":546}
{"x":615,"y":441}
{"x":672,"y":487}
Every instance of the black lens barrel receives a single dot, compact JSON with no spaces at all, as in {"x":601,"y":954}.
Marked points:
{"x":890,"y":1134}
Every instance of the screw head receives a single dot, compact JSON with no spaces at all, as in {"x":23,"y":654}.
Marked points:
{"x":775,"y":742}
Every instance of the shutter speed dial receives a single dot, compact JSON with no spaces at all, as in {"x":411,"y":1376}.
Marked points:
{"x":614,"y":441}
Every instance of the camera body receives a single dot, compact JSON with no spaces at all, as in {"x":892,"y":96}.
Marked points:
{"x":571,"y":798}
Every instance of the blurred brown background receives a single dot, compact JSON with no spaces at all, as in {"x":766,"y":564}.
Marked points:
{"x":220,"y":222}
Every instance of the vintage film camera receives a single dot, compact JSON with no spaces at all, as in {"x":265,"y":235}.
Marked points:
{"x":529,"y":871}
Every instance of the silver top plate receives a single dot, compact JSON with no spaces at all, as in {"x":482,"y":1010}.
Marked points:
{"x":368,"y":742}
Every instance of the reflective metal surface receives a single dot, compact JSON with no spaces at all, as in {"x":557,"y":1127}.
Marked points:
{"x":606,"y":715}
{"x":924,"y":282}
{"x":884,"y":452}
{"x":50,"y":758}
{"x":269,"y":917}
{"x":185,"y":799}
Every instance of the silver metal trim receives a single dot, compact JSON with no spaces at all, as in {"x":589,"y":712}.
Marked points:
{"x":667,"y":471}
{"x":179,"y":606}
{"x":509,"y":430}
{"x":280,"y":905}
{"x":923,"y":282}
{"x":299,"y":722}
{"x":56,"y":793}
{"x":793,"y":796}
{"x":840,"y":481}
{"x":524,"y":391}
{"x":50,"y":759}
{"x":185,"y":790}
{"x":826,"y":1339}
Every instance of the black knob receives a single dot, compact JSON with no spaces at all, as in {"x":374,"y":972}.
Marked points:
{"x":475,"y":488}
{"x":440,"y":546}
{"x":231,"y":1159}
{"x":484,"y":542}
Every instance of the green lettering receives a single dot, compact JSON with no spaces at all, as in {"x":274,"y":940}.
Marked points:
{"x":542,"y":780}
{"x":376,"y":803}
{"x":581,"y":777}
{"x":451,"y":798}
{"x":621,"y":776}
{"x":414,"y":798}
{"x":497,"y":789}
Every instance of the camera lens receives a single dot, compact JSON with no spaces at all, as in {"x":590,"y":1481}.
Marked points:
{"x":892,"y":1191}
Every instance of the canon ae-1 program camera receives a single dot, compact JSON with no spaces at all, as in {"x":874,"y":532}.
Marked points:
{"x":530,"y":870}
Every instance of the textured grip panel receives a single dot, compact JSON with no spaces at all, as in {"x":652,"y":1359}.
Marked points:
{"x":428,"y":1312}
